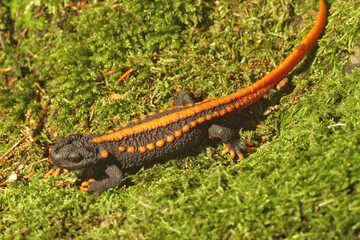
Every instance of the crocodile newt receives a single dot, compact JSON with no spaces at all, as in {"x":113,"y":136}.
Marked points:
{"x":167,"y":134}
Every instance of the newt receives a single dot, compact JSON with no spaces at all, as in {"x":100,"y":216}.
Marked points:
{"x":169,"y":133}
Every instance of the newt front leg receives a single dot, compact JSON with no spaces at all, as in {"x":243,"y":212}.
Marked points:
{"x":97,"y":187}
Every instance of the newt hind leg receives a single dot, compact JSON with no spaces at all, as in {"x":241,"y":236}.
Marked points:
{"x":235,"y":144}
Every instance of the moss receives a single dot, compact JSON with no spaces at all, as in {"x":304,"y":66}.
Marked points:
{"x":64,"y":59}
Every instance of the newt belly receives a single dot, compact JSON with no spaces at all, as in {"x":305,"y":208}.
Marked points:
{"x":167,"y":133}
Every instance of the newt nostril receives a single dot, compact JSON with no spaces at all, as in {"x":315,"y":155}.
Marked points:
{"x":55,"y":156}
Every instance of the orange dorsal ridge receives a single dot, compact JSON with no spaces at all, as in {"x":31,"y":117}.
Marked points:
{"x":235,"y":101}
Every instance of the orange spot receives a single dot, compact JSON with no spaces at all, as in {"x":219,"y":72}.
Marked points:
{"x":237,"y":104}
{"x":193,"y":124}
{"x":131,"y":149}
{"x":170,"y":138}
{"x":142,"y":149}
{"x":208,"y":117}
{"x":151,"y":113}
{"x":183,"y":115}
{"x":162,"y":110}
{"x":178,"y":133}
{"x":200,"y":108}
{"x":160,"y":143}
{"x":216,"y":114}
{"x":104,"y":154}
{"x":223,"y":112}
{"x":201,"y":119}
{"x":122,"y":148}
{"x":142,"y":117}
{"x":89,"y":133}
{"x":190,"y":105}
{"x":186,"y":128}
{"x":118,"y":128}
{"x":118,"y":138}
{"x":150,"y":146}
{"x":110,"y":131}
{"x":178,"y":90}
{"x":229,"y":108}
{"x":125,"y":125}
{"x":135,"y":120}
{"x":191,"y":111}
{"x":171,"y":104}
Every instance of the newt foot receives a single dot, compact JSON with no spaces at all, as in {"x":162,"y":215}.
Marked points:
{"x":238,"y":147}
{"x":55,"y":172}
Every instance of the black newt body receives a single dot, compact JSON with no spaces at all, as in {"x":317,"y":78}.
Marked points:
{"x":168,"y":133}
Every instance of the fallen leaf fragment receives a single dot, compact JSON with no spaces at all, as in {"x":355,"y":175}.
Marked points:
{"x":5,"y":70}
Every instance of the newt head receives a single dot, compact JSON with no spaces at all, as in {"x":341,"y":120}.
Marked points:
{"x":75,"y":152}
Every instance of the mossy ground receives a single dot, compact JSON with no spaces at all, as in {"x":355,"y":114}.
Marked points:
{"x":59,"y":62}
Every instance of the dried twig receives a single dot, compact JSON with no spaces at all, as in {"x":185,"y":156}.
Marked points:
{"x":127,"y":73}
{"x":14,"y":146}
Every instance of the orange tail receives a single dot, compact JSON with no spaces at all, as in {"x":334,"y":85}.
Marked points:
{"x":262,"y":86}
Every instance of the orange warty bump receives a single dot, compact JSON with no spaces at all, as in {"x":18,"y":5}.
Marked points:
{"x":150,"y":146}
{"x":178,"y":133}
{"x":104,"y":154}
{"x":142,"y":149}
{"x":201,"y":119}
{"x":223,"y":112}
{"x":160,"y":143}
{"x":216,"y":114}
{"x":170,"y":138}
{"x":186,"y":128}
{"x":131,"y":149}
{"x":229,"y":108}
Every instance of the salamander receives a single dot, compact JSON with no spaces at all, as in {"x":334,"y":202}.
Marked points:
{"x":169,"y":133}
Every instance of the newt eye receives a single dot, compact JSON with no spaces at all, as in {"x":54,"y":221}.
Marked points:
{"x":74,"y":157}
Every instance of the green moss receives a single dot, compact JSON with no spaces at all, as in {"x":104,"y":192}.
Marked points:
{"x":302,"y":183}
